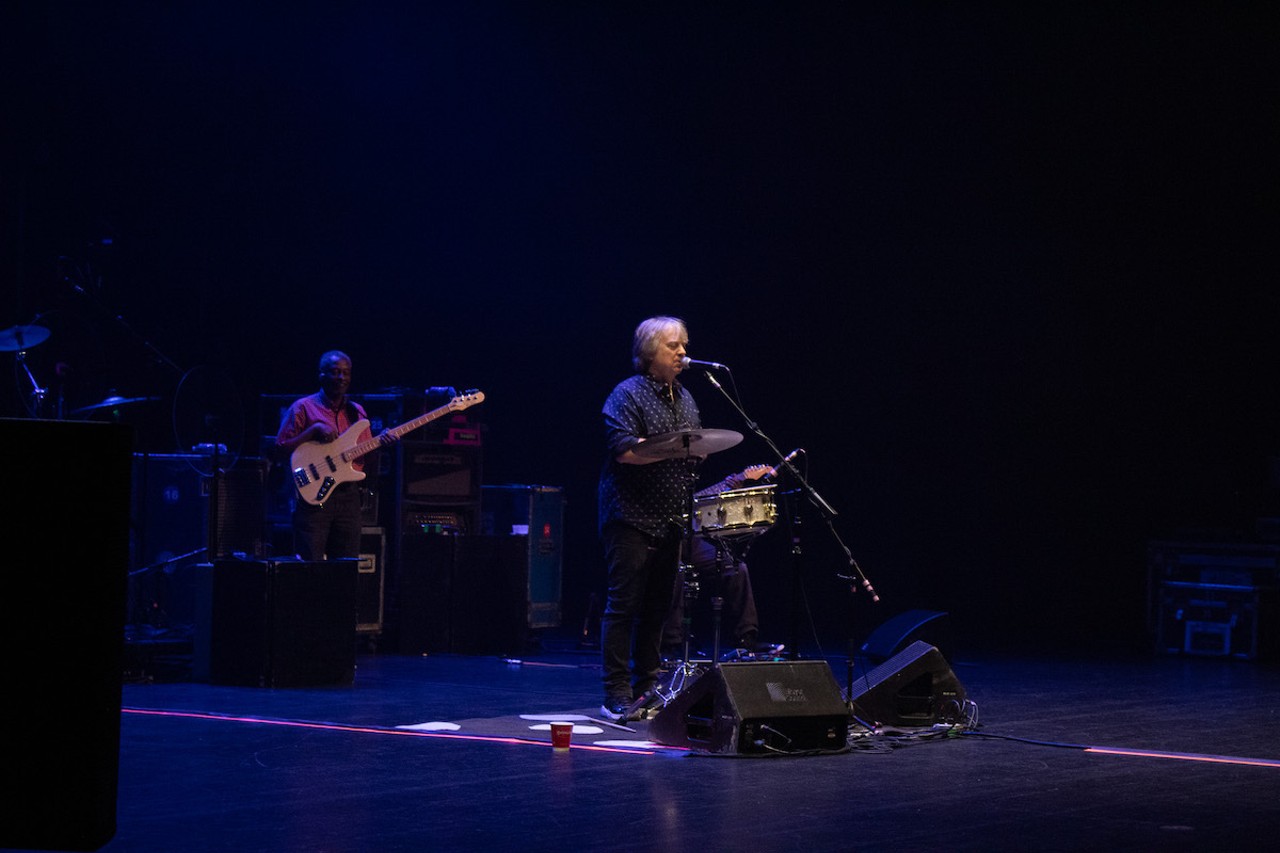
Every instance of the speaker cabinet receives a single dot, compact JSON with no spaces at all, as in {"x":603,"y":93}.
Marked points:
{"x":180,"y":506}
{"x":489,"y":600}
{"x":287,"y":623}
{"x":462,"y":595}
{"x":893,"y":634}
{"x":60,"y":723}
{"x":757,"y":708}
{"x":915,"y":687}
{"x":418,"y":616}
{"x":439,"y":472}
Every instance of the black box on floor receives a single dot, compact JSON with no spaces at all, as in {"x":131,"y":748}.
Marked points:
{"x":418,"y":616}
{"x":1214,"y":599}
{"x":489,"y":596}
{"x":1216,"y":620}
{"x":370,"y":580}
{"x":462,"y":595}
{"x":281,"y":623}
{"x":64,"y":635}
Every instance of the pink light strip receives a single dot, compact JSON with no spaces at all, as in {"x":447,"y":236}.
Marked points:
{"x":1184,"y":756}
{"x":198,"y":715}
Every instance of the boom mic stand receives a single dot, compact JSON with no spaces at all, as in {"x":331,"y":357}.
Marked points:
{"x":797,"y":484}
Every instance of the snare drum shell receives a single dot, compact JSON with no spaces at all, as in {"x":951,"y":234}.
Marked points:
{"x":735,"y":511}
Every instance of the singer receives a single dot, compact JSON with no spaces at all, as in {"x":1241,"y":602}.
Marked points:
{"x":641,"y":503}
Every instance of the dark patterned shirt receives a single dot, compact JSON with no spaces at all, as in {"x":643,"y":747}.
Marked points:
{"x":651,"y":497}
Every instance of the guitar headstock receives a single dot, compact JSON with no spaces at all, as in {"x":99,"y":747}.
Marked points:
{"x":466,"y":400}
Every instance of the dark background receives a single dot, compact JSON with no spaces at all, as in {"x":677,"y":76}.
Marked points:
{"x":1006,"y":273}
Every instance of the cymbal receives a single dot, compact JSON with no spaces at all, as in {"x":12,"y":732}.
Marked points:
{"x":113,"y":402}
{"x":691,"y":442}
{"x":17,"y":338}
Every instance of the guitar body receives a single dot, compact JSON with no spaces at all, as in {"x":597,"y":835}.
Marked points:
{"x":318,"y":466}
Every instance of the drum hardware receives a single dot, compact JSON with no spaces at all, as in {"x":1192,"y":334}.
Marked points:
{"x":19,"y":339}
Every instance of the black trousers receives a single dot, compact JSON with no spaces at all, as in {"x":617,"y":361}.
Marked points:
{"x":642,"y":570}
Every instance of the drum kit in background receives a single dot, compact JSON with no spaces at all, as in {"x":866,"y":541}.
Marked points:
{"x":19,"y":340}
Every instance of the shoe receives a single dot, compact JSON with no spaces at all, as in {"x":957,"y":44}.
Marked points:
{"x":615,"y":708}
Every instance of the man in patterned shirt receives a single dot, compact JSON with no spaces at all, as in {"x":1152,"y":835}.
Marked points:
{"x":642,"y":504}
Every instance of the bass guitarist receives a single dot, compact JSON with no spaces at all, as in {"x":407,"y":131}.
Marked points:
{"x":328,"y":530}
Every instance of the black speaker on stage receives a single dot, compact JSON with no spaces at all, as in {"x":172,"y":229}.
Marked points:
{"x":915,"y":687}
{"x":892,"y":635}
{"x":757,"y":708}
{"x":285,"y":623}
{"x":60,"y":721}
{"x":419,"y":613}
{"x":439,"y":472}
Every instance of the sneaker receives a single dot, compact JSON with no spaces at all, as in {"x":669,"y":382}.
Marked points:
{"x":615,"y":708}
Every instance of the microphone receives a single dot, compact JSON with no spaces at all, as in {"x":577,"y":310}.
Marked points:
{"x":791,"y":457}
{"x":687,"y":362}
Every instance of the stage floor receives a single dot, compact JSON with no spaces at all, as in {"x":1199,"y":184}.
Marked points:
{"x":433,"y":753}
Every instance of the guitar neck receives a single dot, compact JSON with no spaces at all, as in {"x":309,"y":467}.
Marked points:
{"x":395,"y":432}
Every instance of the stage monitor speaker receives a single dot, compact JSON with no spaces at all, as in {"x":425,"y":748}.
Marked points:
{"x":757,"y":708}
{"x":893,"y":634}
{"x":286,"y":623}
{"x":60,"y":724}
{"x":914,"y":688}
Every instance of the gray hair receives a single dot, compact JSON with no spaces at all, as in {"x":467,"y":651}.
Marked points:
{"x":648,"y":335}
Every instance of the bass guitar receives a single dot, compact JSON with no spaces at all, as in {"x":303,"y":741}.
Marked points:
{"x":319,"y":466}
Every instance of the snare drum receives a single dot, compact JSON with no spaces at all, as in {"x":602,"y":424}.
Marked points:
{"x":735,"y":513}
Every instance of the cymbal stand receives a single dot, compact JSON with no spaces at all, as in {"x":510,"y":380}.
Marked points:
{"x":37,"y":393}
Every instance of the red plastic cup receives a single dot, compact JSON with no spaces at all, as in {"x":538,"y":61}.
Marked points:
{"x":561,"y":735}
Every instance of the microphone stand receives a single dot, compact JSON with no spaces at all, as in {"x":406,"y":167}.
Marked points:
{"x":800,"y":484}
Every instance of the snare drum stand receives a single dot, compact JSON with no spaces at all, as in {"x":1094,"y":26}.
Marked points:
{"x":674,"y":682}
